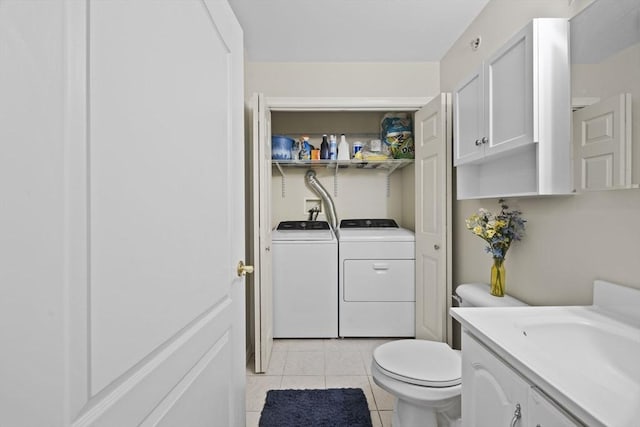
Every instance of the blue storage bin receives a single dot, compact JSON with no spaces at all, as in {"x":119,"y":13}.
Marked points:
{"x":281,"y":147}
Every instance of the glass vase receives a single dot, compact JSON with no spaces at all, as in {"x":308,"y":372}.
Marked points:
{"x":497,"y":278}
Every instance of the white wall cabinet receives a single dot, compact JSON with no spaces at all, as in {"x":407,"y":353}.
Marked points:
{"x":512,"y":117}
{"x":493,"y":394}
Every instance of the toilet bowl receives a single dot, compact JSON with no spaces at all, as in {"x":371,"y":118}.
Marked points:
{"x":425,"y":376}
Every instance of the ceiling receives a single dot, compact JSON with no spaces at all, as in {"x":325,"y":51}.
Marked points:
{"x":352,"y":30}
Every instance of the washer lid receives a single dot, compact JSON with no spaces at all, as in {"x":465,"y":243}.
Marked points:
{"x":420,"y":362}
{"x":375,"y":235}
{"x":296,"y":236}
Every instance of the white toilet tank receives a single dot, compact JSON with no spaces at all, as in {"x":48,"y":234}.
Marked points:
{"x":477,"y":295}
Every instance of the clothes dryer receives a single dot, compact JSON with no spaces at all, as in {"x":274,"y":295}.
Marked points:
{"x":376,"y":279}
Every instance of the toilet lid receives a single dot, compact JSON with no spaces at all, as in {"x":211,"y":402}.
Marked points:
{"x":425,"y":363}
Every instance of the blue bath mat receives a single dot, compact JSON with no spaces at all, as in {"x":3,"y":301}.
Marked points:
{"x":335,"y":407}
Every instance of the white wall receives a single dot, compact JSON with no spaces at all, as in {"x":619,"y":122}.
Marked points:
{"x":570,"y":240}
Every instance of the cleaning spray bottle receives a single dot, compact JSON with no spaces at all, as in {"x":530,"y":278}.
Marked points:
{"x":343,"y":148}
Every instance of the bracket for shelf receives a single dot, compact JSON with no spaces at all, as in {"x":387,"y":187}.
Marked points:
{"x":335,"y":180}
{"x":390,"y":170}
{"x":283,"y":180}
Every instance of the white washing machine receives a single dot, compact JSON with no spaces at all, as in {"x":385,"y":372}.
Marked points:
{"x":305,"y":280}
{"x":376,"y":279}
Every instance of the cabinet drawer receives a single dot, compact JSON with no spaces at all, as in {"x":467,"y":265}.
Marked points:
{"x":379,"y":280}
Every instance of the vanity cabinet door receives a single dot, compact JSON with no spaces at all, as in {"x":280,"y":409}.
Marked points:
{"x":492,"y":393}
{"x":469,"y":120}
{"x":542,"y":412}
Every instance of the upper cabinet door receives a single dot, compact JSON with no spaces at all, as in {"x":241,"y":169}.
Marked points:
{"x":469,"y":123}
{"x":509,"y":94}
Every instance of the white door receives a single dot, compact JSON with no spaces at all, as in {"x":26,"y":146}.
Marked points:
{"x":433,"y":219}
{"x":122,"y":174}
{"x":261,"y":226}
{"x":602,"y":144}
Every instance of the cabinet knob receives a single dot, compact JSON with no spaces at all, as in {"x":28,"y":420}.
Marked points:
{"x":436,"y":247}
{"x":478,"y":142}
{"x":485,"y":139}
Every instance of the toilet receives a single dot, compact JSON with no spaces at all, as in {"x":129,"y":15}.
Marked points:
{"x":425,"y":376}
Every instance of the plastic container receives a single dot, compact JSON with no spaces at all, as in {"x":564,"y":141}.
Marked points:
{"x":357,"y":147}
{"x":324,"y":148}
{"x":281,"y":147}
{"x":343,"y":148}
{"x":333,"y":148}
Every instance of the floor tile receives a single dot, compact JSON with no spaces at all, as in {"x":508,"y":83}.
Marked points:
{"x":257,"y":387}
{"x":307,"y":344}
{"x":304,"y":363}
{"x":303,"y":382}
{"x":280,"y":345}
{"x":344,"y":363}
{"x":318,"y":364}
{"x":276,"y":363}
{"x":386,"y":417}
{"x":367,"y":358}
{"x":375,"y":419}
{"x":384,"y":400}
{"x":343,"y":344}
{"x":371,"y":344}
{"x":253,"y":419}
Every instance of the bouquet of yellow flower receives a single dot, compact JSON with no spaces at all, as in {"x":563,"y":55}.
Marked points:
{"x":499,"y":231}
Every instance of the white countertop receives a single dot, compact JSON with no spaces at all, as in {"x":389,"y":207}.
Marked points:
{"x":585,"y":358}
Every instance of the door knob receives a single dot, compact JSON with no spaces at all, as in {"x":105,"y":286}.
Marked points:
{"x":244,"y":269}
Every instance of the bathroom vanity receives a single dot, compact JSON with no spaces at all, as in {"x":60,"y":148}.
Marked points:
{"x":553,"y":366}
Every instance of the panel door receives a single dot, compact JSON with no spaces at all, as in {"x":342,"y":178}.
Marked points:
{"x":493,"y":394}
{"x":469,"y":121}
{"x":602,"y":144}
{"x":433,"y":218}
{"x":132,"y":312}
{"x":542,"y":412}
{"x":508,"y":92}
{"x":262,"y":285}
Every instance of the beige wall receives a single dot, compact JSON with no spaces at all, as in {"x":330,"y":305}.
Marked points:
{"x":570,"y":240}
{"x":361,"y":193}
{"x":342,"y":79}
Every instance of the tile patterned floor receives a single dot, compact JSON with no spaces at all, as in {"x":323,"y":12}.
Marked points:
{"x":319,"y":363}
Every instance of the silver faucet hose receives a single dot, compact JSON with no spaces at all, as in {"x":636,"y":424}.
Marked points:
{"x":332,"y":217}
